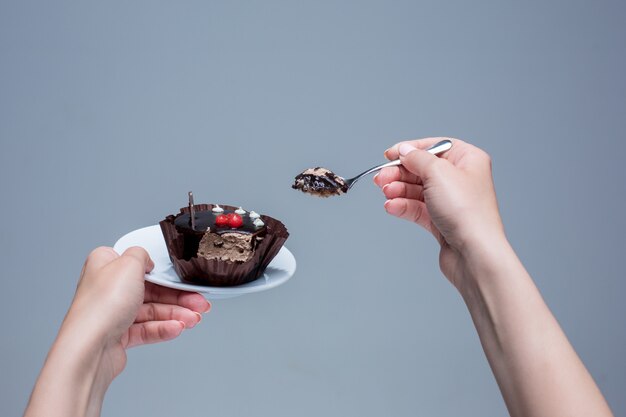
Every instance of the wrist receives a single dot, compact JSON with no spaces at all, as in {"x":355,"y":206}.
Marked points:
{"x":83,"y":351}
{"x":484,"y":260}
{"x":84,"y":334}
{"x":72,"y":377}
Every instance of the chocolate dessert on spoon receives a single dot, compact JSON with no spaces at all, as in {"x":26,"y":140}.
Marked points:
{"x":323,"y":182}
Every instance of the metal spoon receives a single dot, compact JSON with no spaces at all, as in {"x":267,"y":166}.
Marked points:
{"x":323,"y":182}
{"x":436,"y":149}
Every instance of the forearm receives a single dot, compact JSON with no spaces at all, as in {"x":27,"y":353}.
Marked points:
{"x":538,"y":371}
{"x":70,"y":383}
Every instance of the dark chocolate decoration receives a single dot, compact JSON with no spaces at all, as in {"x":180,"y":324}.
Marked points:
{"x":192,"y":210}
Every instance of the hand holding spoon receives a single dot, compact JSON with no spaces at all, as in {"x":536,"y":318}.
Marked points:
{"x":323,"y":182}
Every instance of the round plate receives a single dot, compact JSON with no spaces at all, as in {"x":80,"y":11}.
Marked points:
{"x":282,"y":267}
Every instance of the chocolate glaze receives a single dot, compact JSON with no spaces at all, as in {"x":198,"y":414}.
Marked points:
{"x":205,"y":218}
{"x":324,"y":185}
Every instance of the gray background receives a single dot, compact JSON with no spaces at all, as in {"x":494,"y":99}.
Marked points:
{"x":111,"y":111}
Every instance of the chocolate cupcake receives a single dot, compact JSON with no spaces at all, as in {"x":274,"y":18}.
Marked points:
{"x":221,"y":246}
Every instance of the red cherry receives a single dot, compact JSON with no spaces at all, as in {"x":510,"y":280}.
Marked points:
{"x":221,"y":220}
{"x":235,"y":220}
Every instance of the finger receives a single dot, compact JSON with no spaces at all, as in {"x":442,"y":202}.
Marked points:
{"x":141,"y":255}
{"x":419,"y":162}
{"x":98,"y":258}
{"x":391,"y":174}
{"x":162,"y":312}
{"x":393,"y":153}
{"x":398,"y":189}
{"x":191,"y":300}
{"x":411,"y":210}
{"x":153,"y":332}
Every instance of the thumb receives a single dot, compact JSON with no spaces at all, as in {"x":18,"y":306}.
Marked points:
{"x":141,"y":255}
{"x":417,"y":161}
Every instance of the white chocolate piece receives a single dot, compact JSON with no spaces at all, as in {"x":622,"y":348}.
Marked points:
{"x":258,"y":222}
{"x":217,"y":209}
{"x":240,"y":211}
{"x":254,"y":215}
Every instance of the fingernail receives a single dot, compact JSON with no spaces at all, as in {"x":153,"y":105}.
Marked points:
{"x":208,"y":308}
{"x":387,"y":204}
{"x":199,"y":316}
{"x":385,"y":153}
{"x":405,"y":149}
{"x":375,"y":178}
{"x":182,"y":324}
{"x":385,"y":186}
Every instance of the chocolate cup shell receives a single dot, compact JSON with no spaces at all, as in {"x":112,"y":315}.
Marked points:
{"x":218,"y":273}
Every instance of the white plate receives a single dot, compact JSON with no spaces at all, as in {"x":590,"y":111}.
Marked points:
{"x":282,"y":267}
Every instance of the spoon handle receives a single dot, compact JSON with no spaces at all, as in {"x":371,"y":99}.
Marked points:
{"x":436,"y":149}
{"x":440,"y":147}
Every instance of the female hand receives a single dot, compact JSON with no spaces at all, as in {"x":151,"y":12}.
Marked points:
{"x":451,"y":196}
{"x":117,"y":306}
{"x":113,"y":309}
